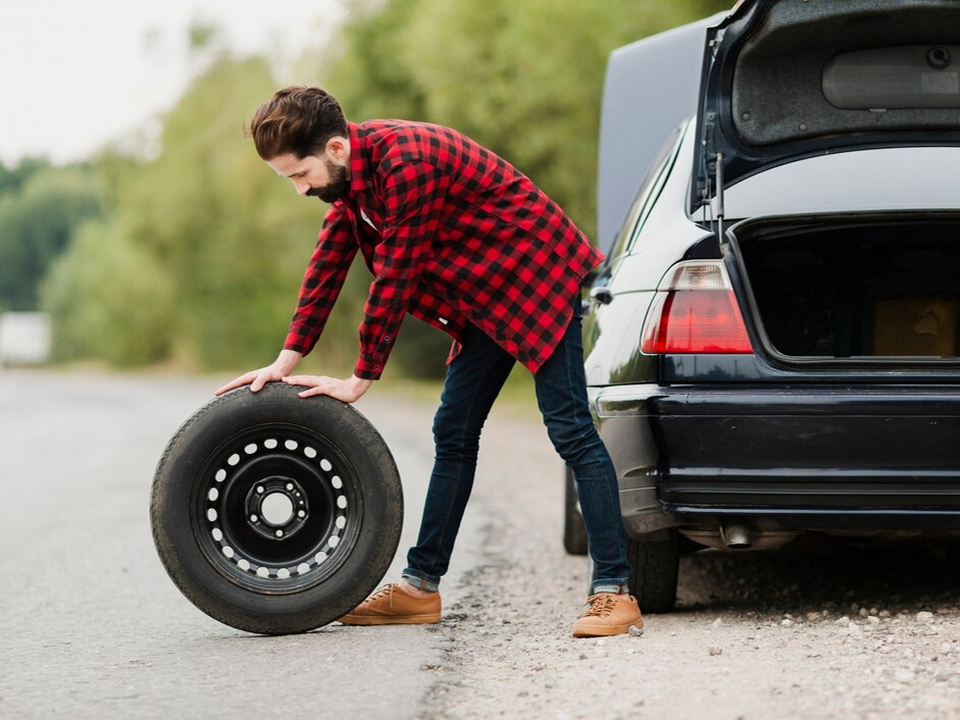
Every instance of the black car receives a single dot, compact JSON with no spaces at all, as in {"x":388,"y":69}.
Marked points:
{"x":772,"y":344}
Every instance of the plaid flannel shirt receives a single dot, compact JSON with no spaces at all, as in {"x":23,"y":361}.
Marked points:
{"x":452,"y":234}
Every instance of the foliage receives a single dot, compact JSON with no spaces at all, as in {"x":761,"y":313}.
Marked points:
{"x":37,"y":217}
{"x":523,"y":78}
{"x":364,"y":67}
{"x":203,"y":247}
{"x":194,"y":254}
{"x":13,"y":178}
{"x":109,"y":299}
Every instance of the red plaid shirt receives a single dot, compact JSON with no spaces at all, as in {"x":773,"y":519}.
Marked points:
{"x":452,"y":234}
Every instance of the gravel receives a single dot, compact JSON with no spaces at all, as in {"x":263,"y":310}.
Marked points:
{"x":828,"y":629}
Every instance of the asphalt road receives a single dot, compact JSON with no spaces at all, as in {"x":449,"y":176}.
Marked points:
{"x":90,"y":624}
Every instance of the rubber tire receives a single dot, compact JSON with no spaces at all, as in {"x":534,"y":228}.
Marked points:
{"x":655,"y":565}
{"x":574,"y":531}
{"x":176,"y":484}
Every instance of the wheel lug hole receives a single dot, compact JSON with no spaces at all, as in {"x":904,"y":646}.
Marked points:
{"x":254,"y":518}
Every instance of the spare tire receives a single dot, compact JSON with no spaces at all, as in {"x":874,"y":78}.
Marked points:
{"x":276,"y":514}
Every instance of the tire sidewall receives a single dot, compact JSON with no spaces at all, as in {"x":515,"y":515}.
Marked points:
{"x":180,"y":474}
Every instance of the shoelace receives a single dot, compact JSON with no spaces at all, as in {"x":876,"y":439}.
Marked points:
{"x":382,"y":591}
{"x":600,"y":605}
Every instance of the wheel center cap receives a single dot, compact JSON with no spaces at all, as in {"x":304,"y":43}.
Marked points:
{"x":277,"y":507}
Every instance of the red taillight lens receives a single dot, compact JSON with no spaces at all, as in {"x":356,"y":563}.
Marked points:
{"x":696,"y":312}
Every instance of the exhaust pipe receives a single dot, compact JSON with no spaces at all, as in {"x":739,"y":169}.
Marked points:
{"x":737,"y":536}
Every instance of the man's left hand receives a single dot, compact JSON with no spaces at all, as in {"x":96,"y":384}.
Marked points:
{"x":347,"y":391}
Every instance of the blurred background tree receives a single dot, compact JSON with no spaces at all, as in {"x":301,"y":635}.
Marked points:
{"x":39,"y":209}
{"x":199,"y":249}
{"x":523,"y":78}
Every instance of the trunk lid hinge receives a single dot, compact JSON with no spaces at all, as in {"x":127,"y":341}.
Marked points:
{"x":711,"y":160}
{"x":718,"y":210}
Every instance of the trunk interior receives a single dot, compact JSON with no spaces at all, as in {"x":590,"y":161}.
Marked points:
{"x":866,"y":288}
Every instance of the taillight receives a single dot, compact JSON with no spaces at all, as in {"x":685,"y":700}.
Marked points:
{"x":695,"y":311}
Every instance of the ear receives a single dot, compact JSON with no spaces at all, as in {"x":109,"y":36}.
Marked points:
{"x":337,"y":147}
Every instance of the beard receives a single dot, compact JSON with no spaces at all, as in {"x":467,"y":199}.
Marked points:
{"x":336,"y":188}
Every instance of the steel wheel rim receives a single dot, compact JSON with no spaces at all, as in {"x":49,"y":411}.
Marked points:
{"x":264,"y":471}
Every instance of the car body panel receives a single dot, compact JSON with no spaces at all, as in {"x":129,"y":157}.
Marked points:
{"x":836,"y":447}
{"x":711,"y":451}
{"x":908,"y":178}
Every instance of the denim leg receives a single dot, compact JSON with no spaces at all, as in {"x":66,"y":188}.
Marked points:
{"x":473,"y":381}
{"x":562,"y":396}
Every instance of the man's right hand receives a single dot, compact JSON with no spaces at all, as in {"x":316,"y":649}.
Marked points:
{"x":256,"y":379}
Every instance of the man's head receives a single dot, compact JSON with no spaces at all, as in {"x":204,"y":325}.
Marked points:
{"x":302,"y":134}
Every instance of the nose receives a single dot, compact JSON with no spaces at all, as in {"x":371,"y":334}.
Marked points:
{"x":302,"y":187}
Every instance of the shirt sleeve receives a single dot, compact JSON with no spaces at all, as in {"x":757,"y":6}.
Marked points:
{"x":414,"y":194}
{"x":323,"y":279}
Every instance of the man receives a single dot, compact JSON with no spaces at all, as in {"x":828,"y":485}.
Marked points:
{"x":457,"y":237}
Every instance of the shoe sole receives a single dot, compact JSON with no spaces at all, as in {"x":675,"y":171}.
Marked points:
{"x":606,"y":631}
{"x":428,"y":619}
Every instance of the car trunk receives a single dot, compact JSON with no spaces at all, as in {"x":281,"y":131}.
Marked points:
{"x":859,"y":290}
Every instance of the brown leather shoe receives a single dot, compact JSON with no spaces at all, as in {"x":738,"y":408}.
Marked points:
{"x":608,"y":614}
{"x":392,"y":605}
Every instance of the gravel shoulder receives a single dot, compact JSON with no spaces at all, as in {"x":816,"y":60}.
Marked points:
{"x":826,"y":630}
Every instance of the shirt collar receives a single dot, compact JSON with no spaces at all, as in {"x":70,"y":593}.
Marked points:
{"x":361,"y":177}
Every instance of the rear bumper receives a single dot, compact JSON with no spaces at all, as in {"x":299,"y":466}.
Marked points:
{"x":828,"y":457}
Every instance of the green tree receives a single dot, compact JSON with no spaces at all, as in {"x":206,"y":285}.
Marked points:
{"x":204,"y":248}
{"x":110,"y":299}
{"x":523,"y":78}
{"x":36,"y":222}
{"x":13,"y":178}
{"x":364,"y":67}
{"x":526,"y":78}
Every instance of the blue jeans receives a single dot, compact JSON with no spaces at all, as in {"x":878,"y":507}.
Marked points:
{"x":474,"y":380}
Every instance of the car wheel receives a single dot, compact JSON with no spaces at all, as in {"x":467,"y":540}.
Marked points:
{"x":276,"y":514}
{"x":574,"y":532}
{"x":654,"y":565}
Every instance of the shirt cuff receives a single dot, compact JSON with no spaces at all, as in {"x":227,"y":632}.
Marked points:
{"x":369,"y":368}
{"x":298,"y":342}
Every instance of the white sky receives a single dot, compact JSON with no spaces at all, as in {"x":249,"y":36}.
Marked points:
{"x":75,"y":74}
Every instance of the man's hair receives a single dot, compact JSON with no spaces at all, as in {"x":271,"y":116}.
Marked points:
{"x":298,"y":120}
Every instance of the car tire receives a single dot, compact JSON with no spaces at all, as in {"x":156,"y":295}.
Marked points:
{"x":574,"y":531}
{"x":276,"y":514}
{"x":655,"y":565}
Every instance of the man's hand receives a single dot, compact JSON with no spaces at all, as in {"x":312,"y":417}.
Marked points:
{"x":283,"y":365}
{"x":347,"y":391}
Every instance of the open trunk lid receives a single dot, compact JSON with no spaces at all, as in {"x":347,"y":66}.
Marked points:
{"x":785,"y":79}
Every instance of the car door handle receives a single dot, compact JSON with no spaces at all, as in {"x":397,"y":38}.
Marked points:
{"x":601,"y":294}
